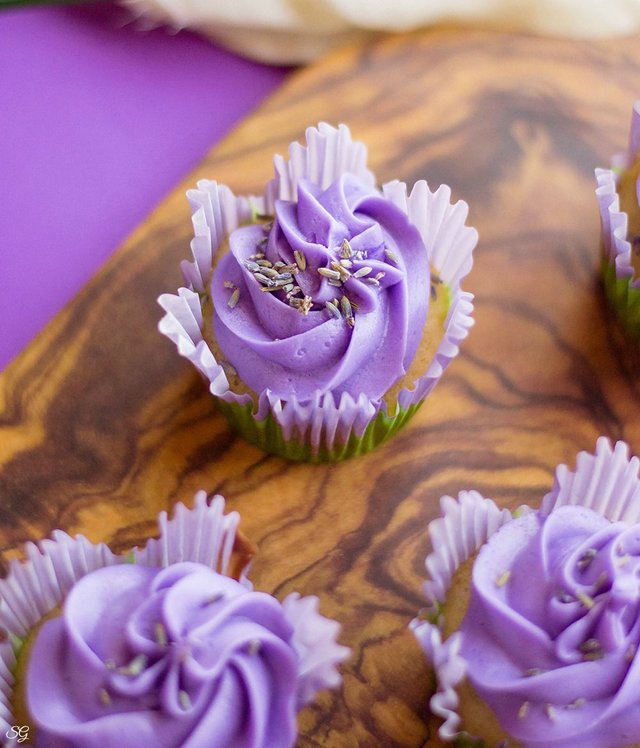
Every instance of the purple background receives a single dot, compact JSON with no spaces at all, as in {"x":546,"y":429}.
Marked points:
{"x":99,"y":121}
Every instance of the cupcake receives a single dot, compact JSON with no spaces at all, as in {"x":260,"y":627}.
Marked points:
{"x":533,"y":621}
{"x":617,"y":193}
{"x":323,"y":312}
{"x":166,"y":646}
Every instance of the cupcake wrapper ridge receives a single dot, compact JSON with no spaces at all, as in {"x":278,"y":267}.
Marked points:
{"x":622,"y":288}
{"x":314,"y":639}
{"x":606,"y":482}
{"x":323,"y":429}
{"x":465,"y":525}
{"x":204,"y":535}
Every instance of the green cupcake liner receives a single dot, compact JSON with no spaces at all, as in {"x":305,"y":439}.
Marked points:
{"x":267,"y":434}
{"x":623,"y":298}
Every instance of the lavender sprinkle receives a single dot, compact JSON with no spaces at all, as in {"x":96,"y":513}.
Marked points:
{"x":135,"y":667}
{"x":580,"y":701}
{"x":362,"y":272}
{"x":503,"y":578}
{"x":184,"y":699}
{"x":345,"y":250}
{"x":590,"y":645}
{"x":327,"y":273}
{"x":160,"y":633}
{"x":254,"y":647}
{"x":329,"y":305}
{"x":234,"y":298}
{"x":524,"y":708}
{"x":586,"y":558}
{"x":585,"y":599}
{"x":301,"y":260}
{"x":305,"y":307}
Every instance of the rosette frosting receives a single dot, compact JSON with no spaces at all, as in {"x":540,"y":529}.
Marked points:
{"x":162,"y":647}
{"x":332,"y":295}
{"x":549,"y":639}
{"x":181,"y":656}
{"x":315,"y":309}
{"x":551,"y":633}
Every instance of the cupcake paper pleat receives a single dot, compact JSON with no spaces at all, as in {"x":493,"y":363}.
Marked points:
{"x":329,"y":153}
{"x":606,"y":482}
{"x":465,"y":525}
{"x":622,"y":287}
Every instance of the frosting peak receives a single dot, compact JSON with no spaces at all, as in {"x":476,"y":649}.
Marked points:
{"x":180,"y":656}
{"x":331,"y":295}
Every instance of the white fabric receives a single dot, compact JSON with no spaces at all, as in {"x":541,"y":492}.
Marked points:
{"x":296,"y":31}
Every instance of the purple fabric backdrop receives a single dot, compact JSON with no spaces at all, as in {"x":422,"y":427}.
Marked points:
{"x":99,"y":120}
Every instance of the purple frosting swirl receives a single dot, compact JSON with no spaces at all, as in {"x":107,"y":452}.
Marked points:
{"x":553,"y":626}
{"x":280,"y":329}
{"x":180,"y":656}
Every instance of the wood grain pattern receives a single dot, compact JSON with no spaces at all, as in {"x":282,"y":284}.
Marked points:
{"x":102,"y":425}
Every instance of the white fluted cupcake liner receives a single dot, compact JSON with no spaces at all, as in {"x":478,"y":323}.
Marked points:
{"x":607,"y":482}
{"x":324,"y":428}
{"x":622,"y":287}
{"x":465,"y":525}
{"x":314,"y":639}
{"x":329,"y":153}
{"x":204,"y":535}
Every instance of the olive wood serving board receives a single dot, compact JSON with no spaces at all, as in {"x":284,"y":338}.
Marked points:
{"x":102,"y":425}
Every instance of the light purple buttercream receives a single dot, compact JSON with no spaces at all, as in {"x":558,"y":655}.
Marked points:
{"x":180,"y":656}
{"x":273,"y":345}
{"x":550,"y":636}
